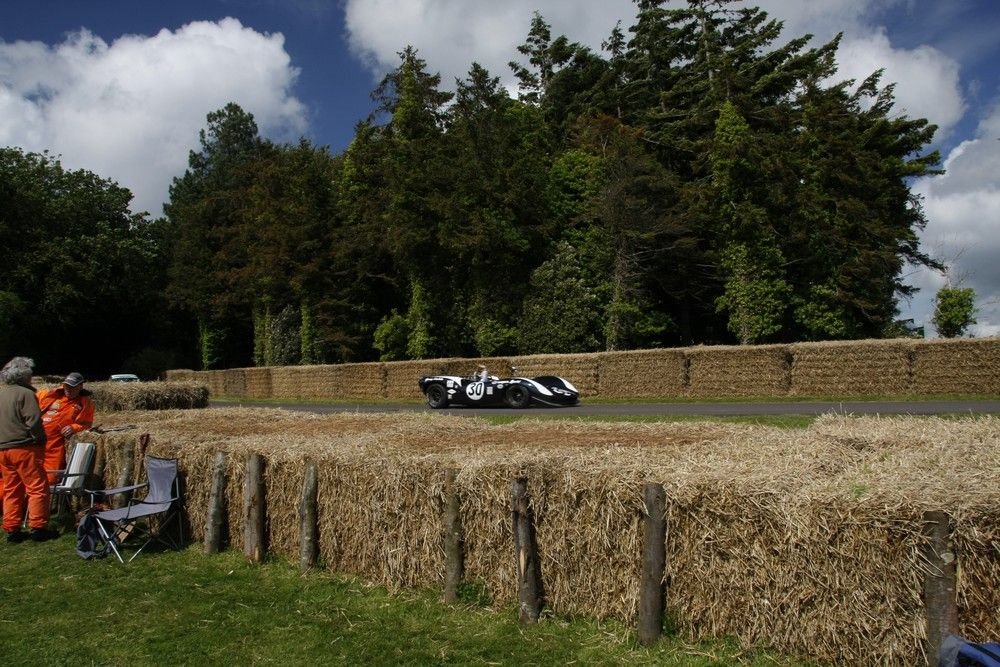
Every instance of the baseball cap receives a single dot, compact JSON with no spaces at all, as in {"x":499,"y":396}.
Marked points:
{"x":73,"y":380}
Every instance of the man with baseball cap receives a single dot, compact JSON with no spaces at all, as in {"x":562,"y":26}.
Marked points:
{"x":66,"y":410}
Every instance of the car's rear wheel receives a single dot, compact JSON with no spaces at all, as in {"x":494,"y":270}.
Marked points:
{"x":437,"y":397}
{"x":517,"y":396}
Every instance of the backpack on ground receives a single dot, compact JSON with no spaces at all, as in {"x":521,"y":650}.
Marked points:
{"x":89,"y":541}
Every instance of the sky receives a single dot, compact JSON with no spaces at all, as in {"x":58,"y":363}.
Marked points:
{"x":121,"y":88}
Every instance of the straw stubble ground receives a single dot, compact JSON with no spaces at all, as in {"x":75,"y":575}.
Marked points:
{"x":805,"y":540}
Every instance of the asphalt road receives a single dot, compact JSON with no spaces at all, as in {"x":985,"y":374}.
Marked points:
{"x":660,"y":409}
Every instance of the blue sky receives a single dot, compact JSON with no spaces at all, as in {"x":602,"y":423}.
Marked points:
{"x":121,"y":87}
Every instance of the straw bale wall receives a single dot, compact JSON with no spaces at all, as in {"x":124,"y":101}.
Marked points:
{"x":870,"y":368}
{"x":643,"y":374}
{"x":343,"y":381}
{"x":895,"y":367}
{"x":745,"y":370}
{"x":808,"y":541}
{"x":958,"y":366}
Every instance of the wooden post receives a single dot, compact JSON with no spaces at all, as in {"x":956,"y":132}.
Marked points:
{"x":939,"y":583}
{"x":454,"y":539}
{"x":215,"y":522}
{"x":126,"y":474}
{"x":652,"y":590}
{"x":308,"y":521}
{"x":529,"y":570}
{"x":254,"y":510}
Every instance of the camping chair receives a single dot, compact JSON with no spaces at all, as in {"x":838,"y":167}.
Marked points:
{"x":147,"y":519}
{"x":70,"y":482}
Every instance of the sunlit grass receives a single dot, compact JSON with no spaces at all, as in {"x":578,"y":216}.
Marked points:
{"x":184,"y":608}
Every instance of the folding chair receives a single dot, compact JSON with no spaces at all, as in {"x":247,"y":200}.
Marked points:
{"x":70,"y":482}
{"x":147,"y":519}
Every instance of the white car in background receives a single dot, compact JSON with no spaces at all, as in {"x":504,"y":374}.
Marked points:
{"x":125,"y":377}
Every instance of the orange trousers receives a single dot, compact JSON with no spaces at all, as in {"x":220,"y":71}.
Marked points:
{"x":24,"y":484}
{"x":55,"y":457}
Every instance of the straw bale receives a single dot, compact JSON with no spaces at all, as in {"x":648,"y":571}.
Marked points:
{"x":181,"y":375}
{"x":957,"y":366}
{"x":580,"y":369}
{"x":118,"y":396}
{"x":738,"y":371}
{"x":805,"y":540}
{"x":331,"y":381}
{"x":852,"y":368}
{"x":643,"y":374}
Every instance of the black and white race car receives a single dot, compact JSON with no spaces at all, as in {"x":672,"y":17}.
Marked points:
{"x":493,"y":392}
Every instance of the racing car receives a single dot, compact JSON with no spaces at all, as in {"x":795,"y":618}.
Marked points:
{"x":494,"y":392}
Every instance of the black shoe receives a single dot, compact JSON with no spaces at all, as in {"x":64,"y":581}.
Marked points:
{"x":43,"y":535}
{"x":16,"y":536}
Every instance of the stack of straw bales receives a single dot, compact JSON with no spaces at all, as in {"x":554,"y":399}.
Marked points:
{"x":643,"y":374}
{"x":846,"y":369}
{"x":738,"y":371}
{"x":343,"y":381}
{"x":805,"y":540}
{"x":969,"y":366}
{"x":119,"y":396}
{"x":866,"y":368}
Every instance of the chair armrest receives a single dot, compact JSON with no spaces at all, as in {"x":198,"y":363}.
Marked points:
{"x":118,"y":489}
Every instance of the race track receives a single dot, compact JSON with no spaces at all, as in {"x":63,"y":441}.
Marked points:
{"x":666,"y":409}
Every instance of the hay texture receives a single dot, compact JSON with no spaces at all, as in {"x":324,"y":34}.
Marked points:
{"x":738,"y":371}
{"x":119,"y":396}
{"x":343,"y":381}
{"x":805,"y":540}
{"x":958,"y":366}
{"x":852,"y":368}
{"x":643,"y":374}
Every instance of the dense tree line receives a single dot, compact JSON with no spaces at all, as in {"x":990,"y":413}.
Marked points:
{"x":697,"y":181}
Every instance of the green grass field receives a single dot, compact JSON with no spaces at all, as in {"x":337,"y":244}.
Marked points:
{"x":184,"y":608}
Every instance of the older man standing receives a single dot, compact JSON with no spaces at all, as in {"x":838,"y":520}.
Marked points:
{"x":22,"y":439}
{"x":66,"y":410}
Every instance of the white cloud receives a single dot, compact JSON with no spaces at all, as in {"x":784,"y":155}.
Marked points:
{"x":963,"y":229}
{"x":927,"y":81}
{"x":131,"y":110}
{"x":452,"y":34}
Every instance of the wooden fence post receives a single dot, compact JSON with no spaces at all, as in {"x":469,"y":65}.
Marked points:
{"x":308,"y":522}
{"x":939,"y":583}
{"x":529,"y":570}
{"x":254,"y":510}
{"x":652,"y":590}
{"x":215,"y":521}
{"x":454,"y":539}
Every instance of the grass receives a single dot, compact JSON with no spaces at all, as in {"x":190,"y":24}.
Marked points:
{"x":184,"y":608}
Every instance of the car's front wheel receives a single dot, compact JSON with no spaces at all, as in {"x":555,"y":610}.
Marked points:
{"x":437,"y":397}
{"x":517,"y":396}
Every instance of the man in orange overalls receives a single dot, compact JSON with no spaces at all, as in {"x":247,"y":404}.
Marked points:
{"x":22,"y":440}
{"x":66,"y":410}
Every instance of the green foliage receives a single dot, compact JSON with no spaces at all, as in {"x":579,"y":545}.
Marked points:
{"x":954,"y":310}
{"x":209,"y":342}
{"x":755,"y":294}
{"x":391,"y":337}
{"x":704,"y":180}
{"x":561,"y":312}
{"x":79,"y":266}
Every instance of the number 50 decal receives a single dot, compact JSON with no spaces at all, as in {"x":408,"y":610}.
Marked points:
{"x":475,"y":390}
